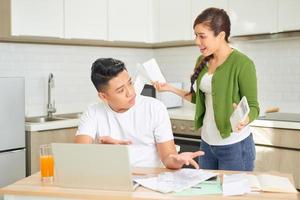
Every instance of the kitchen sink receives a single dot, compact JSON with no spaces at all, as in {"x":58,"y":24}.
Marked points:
{"x":60,"y":117}
{"x":70,"y":115}
{"x":43,"y":119}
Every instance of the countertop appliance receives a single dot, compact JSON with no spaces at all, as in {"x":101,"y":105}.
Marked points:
{"x":12,"y":130}
{"x":168,"y":98}
{"x":281,"y":116}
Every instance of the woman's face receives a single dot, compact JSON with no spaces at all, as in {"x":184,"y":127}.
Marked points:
{"x":205,"y":39}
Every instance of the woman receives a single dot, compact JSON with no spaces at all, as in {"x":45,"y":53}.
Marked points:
{"x":222,"y":76}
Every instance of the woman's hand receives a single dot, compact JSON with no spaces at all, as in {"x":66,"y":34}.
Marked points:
{"x":241,"y":124}
{"x":186,"y":158}
{"x":110,"y":140}
{"x":161,"y":87}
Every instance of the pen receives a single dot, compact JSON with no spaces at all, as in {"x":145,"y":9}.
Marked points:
{"x":198,"y":187}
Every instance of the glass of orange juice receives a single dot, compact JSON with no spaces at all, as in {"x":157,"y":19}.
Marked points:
{"x":46,"y":163}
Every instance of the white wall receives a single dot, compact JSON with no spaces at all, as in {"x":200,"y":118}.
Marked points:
{"x":71,"y":68}
{"x":277,"y":64}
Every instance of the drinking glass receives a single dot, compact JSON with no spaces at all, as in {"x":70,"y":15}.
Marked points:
{"x":46,"y":163}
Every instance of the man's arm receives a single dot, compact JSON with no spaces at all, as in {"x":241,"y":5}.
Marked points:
{"x":83,"y":139}
{"x":172,"y":159}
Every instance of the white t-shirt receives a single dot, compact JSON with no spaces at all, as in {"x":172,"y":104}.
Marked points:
{"x":145,"y":124}
{"x":209,"y":131}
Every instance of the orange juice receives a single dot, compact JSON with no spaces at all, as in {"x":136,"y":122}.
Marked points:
{"x":47,"y":166}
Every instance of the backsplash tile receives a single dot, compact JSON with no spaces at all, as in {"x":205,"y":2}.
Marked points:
{"x":70,"y":65}
{"x":277,"y":64}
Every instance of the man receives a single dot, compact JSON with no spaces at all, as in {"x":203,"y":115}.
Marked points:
{"x":126,"y":118}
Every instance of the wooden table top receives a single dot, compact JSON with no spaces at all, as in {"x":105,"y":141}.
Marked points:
{"x":32,"y":186}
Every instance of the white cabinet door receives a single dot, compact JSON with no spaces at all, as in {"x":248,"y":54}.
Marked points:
{"x":86,"y":19}
{"x":174,"y":20}
{"x":129,"y":20}
{"x":199,"y":5}
{"x":253,"y":16}
{"x":288,"y":15}
{"x":12,"y":167}
{"x":37,"y":18}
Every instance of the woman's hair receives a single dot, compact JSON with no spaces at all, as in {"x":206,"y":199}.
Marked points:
{"x":217,"y":20}
{"x":103,"y":70}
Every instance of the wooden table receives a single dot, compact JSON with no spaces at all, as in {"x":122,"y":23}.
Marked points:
{"x":32,"y":188}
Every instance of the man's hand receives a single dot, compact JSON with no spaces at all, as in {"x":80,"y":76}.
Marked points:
{"x":110,"y":140}
{"x":241,"y":124}
{"x":186,"y":158}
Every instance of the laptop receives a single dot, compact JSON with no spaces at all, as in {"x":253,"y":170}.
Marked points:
{"x":92,"y":166}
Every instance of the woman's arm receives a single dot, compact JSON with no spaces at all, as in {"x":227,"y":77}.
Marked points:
{"x":162,"y":87}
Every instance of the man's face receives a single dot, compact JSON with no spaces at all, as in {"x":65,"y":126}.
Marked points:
{"x":120,"y":93}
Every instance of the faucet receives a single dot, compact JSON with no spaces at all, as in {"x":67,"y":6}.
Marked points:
{"x":50,"y":106}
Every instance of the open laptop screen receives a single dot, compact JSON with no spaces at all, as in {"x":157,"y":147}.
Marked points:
{"x":92,"y":166}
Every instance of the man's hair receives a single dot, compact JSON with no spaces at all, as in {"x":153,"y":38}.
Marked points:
{"x":105,"y":69}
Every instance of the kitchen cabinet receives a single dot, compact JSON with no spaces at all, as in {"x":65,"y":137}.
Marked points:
{"x":129,"y":20}
{"x":85,"y":19}
{"x":277,"y":150}
{"x":174,"y":21}
{"x":37,"y":18}
{"x":199,"y":6}
{"x":253,"y":17}
{"x":288,"y":15}
{"x":36,"y":138}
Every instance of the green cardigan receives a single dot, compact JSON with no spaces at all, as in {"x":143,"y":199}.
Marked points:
{"x":232,"y":80}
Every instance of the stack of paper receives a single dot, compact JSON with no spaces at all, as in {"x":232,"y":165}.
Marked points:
{"x":270,"y":183}
{"x":175,"y":181}
{"x":238,"y":184}
{"x":147,"y":73}
{"x":153,"y":71}
{"x":235,"y":184}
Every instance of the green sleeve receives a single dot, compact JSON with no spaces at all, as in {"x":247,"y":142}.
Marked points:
{"x":248,"y":87}
{"x":193,"y":98}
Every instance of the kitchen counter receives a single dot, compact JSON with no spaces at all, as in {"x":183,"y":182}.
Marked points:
{"x":32,"y":188}
{"x":185,"y":112}
{"x":66,"y":123}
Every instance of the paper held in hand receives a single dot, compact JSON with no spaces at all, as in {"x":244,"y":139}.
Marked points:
{"x":240,"y":113}
{"x":153,"y":71}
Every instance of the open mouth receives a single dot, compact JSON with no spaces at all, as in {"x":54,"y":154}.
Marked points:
{"x":202,"y":49}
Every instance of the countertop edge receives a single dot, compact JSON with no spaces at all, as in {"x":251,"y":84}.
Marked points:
{"x":183,"y":113}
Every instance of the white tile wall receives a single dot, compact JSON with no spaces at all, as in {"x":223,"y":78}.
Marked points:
{"x":70,"y":65}
{"x":277,"y":64}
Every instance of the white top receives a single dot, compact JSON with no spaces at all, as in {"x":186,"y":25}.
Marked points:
{"x":209,"y":131}
{"x":145,"y":124}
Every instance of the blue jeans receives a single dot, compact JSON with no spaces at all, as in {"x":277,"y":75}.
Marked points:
{"x":239,"y":156}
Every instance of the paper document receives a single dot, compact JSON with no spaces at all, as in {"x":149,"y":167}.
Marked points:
{"x":175,"y":181}
{"x":153,"y":71}
{"x":235,"y":184}
{"x":139,"y":84}
{"x":270,"y":183}
{"x":204,"y":188}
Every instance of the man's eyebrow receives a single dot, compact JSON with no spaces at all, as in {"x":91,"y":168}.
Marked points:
{"x":123,"y":84}
{"x":119,"y":87}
